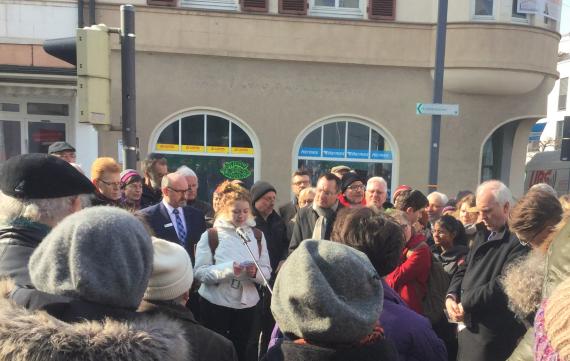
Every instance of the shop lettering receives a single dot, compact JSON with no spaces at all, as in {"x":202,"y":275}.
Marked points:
{"x":540,"y":176}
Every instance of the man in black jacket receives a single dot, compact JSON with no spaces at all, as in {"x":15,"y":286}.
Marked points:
{"x":316,"y":222}
{"x":154,"y":168}
{"x":299,"y":181}
{"x":38,"y":191}
{"x":475,"y":295}
{"x":271,"y":224}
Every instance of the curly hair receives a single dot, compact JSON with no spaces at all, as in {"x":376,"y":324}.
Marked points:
{"x":230,"y":193}
{"x":522,"y":282}
{"x":370,"y":232}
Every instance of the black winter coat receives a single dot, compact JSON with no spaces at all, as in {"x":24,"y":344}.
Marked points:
{"x":205,"y":345}
{"x":275,"y":233}
{"x":17,"y":243}
{"x":492,"y":330}
{"x":383,"y":350}
{"x":305,"y":224}
{"x":150,"y":196}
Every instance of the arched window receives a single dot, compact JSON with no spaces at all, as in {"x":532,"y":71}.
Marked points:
{"x":346,"y":141}
{"x":213,"y":144}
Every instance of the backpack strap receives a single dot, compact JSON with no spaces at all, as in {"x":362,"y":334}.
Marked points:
{"x":258,"y":236}
{"x":213,"y":241}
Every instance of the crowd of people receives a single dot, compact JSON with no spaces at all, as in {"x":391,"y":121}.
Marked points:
{"x":122,"y":265}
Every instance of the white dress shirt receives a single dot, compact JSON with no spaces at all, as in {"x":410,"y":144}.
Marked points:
{"x":170,"y":210}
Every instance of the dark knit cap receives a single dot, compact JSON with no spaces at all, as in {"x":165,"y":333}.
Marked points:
{"x":42,"y":176}
{"x":259,"y":189}
{"x":348,"y":179}
{"x":60,"y":147}
{"x":327,"y":292}
{"x":100,"y":254}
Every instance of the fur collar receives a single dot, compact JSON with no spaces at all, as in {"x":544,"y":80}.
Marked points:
{"x":27,"y":335}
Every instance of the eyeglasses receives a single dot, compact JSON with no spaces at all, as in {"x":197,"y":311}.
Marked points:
{"x":527,"y":242}
{"x":356,"y":187}
{"x":302,"y":183}
{"x":326,"y":193}
{"x":111,"y":184}
{"x":181,"y":191}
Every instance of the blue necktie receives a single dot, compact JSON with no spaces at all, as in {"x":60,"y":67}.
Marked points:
{"x":180,"y":227}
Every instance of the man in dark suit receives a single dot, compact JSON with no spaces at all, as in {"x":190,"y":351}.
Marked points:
{"x":316,"y":222}
{"x":476,"y":296}
{"x":171,"y":219}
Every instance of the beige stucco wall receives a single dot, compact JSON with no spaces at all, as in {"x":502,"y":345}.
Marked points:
{"x":279,"y":74}
{"x":279,"y":99}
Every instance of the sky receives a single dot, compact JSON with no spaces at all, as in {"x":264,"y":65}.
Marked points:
{"x":565,"y":19}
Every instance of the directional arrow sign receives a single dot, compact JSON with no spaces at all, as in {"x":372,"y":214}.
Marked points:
{"x":437,"y":109}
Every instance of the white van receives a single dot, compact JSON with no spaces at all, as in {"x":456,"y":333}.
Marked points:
{"x":546,"y":167}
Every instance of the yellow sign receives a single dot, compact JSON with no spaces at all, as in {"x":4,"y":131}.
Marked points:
{"x":212,"y":149}
{"x":193,"y":148}
{"x":242,"y":150}
{"x":168,"y":147}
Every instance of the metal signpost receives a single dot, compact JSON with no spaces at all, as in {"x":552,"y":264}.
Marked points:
{"x":437,"y":94}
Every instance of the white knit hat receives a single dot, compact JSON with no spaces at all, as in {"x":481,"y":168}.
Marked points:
{"x":172,"y":273}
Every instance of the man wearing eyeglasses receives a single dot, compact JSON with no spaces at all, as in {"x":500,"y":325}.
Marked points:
{"x":171,"y":219}
{"x":316,"y":222}
{"x":299,"y":181}
{"x":352,"y":187}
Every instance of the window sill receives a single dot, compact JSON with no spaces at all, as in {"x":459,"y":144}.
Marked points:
{"x":483,"y":18}
{"x":228,"y":5}
{"x":518,"y":20}
{"x":329,"y":12}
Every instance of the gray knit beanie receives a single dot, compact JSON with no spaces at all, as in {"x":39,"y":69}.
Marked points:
{"x":327,"y":292}
{"x":259,"y":189}
{"x":100,"y":254}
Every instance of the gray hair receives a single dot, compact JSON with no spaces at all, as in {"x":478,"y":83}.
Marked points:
{"x":442,"y":197}
{"x":499,"y":190}
{"x":186,"y":172}
{"x":544,"y":187}
{"x":377,"y":180}
{"x":49,"y":211}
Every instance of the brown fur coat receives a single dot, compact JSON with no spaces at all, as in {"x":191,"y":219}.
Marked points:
{"x":31,"y":336}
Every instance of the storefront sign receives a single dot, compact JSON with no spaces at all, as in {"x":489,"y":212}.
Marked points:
{"x":193,"y":148}
{"x":242,"y":150}
{"x":213,"y":149}
{"x":235,"y":169}
{"x":549,"y":8}
{"x":168,"y":147}
{"x":333,"y":153}
{"x":310,"y":152}
{"x":381,"y":154}
{"x":357,"y":154}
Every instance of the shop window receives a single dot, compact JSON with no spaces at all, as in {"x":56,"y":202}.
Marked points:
{"x":215,"y":146}
{"x":346,"y":142}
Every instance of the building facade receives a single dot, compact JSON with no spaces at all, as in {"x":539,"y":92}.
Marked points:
{"x":256,"y":89}
{"x":557,"y":105}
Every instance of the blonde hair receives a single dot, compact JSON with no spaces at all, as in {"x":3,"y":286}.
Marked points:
{"x":231,"y":193}
{"x":104,"y":165}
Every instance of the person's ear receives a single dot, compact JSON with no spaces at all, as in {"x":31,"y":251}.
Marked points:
{"x":410,"y":210}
